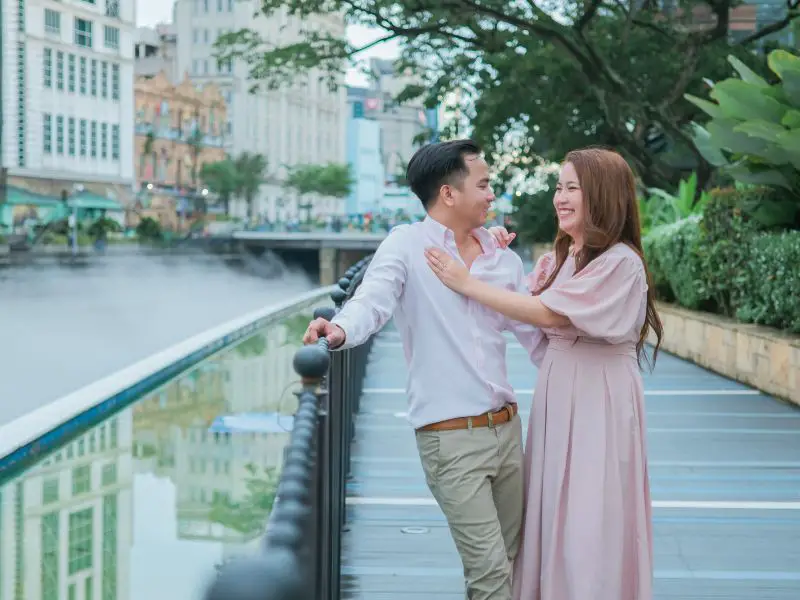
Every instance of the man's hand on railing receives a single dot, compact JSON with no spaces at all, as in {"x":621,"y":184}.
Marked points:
{"x":320,"y":327}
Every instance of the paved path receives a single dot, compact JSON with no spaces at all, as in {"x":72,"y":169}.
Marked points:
{"x":725,"y":480}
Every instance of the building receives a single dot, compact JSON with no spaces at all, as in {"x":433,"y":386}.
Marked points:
{"x":404,"y":127}
{"x":290,"y":126}
{"x":179,"y":128}
{"x":155,"y":51}
{"x":67,"y":96}
{"x":364,"y":155}
{"x":66,"y":524}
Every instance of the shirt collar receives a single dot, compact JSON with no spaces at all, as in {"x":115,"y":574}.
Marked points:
{"x":443,"y":234}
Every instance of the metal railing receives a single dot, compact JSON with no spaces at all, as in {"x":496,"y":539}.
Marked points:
{"x":300,"y":557}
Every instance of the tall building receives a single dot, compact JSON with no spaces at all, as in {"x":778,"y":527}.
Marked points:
{"x":290,"y":126}
{"x":402,"y":125}
{"x":155,"y":51}
{"x":67,"y":95}
{"x":364,"y":155}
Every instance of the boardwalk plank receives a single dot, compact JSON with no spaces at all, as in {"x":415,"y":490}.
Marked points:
{"x":710,"y":439}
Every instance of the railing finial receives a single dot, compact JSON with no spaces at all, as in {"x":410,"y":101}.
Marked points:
{"x":311,"y":362}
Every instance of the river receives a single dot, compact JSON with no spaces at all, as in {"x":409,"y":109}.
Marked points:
{"x":62,"y":328}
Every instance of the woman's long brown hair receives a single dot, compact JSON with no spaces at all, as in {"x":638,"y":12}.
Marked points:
{"x":611,"y":216}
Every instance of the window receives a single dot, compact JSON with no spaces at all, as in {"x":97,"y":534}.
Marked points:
{"x":81,"y":541}
{"x":60,"y":70}
{"x":21,"y":113}
{"x":115,"y":82}
{"x":49,"y":486}
{"x":103,"y":154}
{"x":47,"y":68}
{"x":93,"y":154}
{"x":111,"y":37}
{"x":71,"y":136}
{"x":50,"y":546}
{"x":104,"y":79}
{"x":84,"y":142}
{"x":114,"y":156}
{"x":83,"y":33}
{"x":21,"y":14}
{"x":109,"y":474}
{"x":47,"y":138}
{"x":196,"y":36}
{"x":52,"y":21}
{"x":112,"y":8}
{"x":219,"y":5}
{"x":109,"y":556}
{"x":71,"y":73}
{"x":83,"y":75}
{"x":60,"y":136}
{"x":93,"y":78}
{"x":81,"y":476}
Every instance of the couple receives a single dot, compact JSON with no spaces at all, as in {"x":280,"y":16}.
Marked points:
{"x":571,"y":515}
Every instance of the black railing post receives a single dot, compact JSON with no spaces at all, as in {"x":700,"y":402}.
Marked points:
{"x":302,"y":543}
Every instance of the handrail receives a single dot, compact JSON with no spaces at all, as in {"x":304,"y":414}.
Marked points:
{"x":301,"y":554}
{"x":26,"y":439}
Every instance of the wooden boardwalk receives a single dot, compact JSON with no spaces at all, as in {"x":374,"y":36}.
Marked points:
{"x":725,"y":481}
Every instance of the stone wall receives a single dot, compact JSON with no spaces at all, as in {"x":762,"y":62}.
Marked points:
{"x":761,"y":357}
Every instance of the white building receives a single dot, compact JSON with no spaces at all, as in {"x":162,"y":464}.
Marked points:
{"x":304,"y":124}
{"x":155,"y":51}
{"x":67,"y":92}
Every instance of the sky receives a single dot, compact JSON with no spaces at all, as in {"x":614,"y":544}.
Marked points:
{"x":152,"y":12}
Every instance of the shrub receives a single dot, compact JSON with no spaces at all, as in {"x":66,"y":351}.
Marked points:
{"x":770,"y":285}
{"x":675,"y":261}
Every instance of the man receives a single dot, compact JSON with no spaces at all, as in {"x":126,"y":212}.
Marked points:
{"x":460,"y":402}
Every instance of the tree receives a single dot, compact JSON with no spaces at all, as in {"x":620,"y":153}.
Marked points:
{"x":334,"y":180}
{"x":222,"y":178}
{"x":251,"y":170}
{"x":331,"y":179}
{"x":546,"y":77}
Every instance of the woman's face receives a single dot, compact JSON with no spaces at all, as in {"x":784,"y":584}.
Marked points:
{"x":568,"y":202}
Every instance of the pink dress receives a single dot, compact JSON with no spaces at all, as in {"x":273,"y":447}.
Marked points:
{"x":587,"y":533}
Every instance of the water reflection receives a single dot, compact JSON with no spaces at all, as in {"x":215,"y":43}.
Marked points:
{"x":144,"y":505}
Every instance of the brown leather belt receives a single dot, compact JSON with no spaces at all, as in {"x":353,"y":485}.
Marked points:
{"x":489,"y":419}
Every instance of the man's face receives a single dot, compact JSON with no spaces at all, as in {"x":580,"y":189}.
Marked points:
{"x":473,"y":197}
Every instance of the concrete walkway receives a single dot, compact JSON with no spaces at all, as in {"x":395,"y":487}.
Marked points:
{"x":725,"y":480}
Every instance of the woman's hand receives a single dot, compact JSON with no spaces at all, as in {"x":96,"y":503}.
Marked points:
{"x":451,"y":272}
{"x":502,"y":236}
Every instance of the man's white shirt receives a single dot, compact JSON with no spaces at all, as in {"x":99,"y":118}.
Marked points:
{"x":454,"y":347}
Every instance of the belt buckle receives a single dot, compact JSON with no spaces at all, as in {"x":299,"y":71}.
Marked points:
{"x":490,"y":416}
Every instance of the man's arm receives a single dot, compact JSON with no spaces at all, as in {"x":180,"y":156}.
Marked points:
{"x":530,"y":337}
{"x":375,"y":300}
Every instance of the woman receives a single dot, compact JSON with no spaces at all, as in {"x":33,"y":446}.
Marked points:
{"x":587,"y":532}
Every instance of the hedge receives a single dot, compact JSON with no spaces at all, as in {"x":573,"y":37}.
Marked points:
{"x":725,"y":263}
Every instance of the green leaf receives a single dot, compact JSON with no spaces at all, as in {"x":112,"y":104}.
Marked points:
{"x":724,"y":134}
{"x":791,"y":119}
{"x":791,"y":87}
{"x":766,"y":177}
{"x":712,"y":109}
{"x":746,"y":73}
{"x":708,"y":149}
{"x":741,"y":100}
{"x":761,"y":129}
{"x":781,"y":62}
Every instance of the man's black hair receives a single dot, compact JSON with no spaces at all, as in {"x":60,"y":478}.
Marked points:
{"x":435,"y":165}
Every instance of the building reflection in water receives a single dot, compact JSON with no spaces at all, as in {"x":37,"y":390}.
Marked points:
{"x":65,"y":524}
{"x":216,"y":433}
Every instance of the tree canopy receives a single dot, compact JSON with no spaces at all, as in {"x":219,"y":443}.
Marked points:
{"x":542,"y":77}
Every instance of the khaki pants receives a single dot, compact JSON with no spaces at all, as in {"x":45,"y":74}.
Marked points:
{"x":476,"y":477}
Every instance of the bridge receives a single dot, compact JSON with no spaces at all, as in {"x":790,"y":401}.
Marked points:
{"x":330,"y":252}
{"x":241,"y":465}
